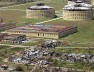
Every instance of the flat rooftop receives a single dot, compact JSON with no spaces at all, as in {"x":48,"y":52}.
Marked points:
{"x":41,"y":28}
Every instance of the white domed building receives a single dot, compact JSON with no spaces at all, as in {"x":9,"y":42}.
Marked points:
{"x":78,"y":11}
{"x":40,"y":11}
{"x":74,"y":1}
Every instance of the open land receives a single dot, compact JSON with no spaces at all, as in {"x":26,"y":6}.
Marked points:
{"x":83,"y":38}
{"x":17,"y":14}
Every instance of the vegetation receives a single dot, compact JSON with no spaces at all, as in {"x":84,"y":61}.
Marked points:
{"x":6,"y":52}
{"x":75,"y":50}
{"x":19,"y":17}
{"x":31,"y":43}
{"x":84,"y":36}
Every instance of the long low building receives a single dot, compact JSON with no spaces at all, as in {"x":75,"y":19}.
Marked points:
{"x":44,"y":31}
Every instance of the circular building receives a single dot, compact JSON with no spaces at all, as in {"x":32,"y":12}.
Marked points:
{"x":40,"y":11}
{"x":71,"y":1}
{"x":78,"y":12}
{"x":92,"y":2}
{"x":74,"y":1}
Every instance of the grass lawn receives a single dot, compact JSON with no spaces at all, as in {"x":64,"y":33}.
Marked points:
{"x":75,"y":65}
{"x":6,"y":3}
{"x":14,"y":50}
{"x":19,"y":17}
{"x":30,"y":43}
{"x":9,"y":51}
{"x":57,"y":4}
{"x":77,"y":50}
{"x":84,"y":36}
{"x":4,"y":47}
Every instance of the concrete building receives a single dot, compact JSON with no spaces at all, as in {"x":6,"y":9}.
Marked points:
{"x":40,"y":11}
{"x":44,"y":31}
{"x":78,"y":11}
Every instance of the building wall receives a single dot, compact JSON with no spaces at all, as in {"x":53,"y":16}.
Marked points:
{"x":54,"y":35}
{"x":36,"y":14}
{"x":88,"y":1}
{"x":77,"y":15}
{"x":43,"y":35}
{"x":68,"y":32}
{"x":92,"y":2}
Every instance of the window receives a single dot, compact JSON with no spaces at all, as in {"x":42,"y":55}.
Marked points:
{"x":43,"y":34}
{"x":38,"y":34}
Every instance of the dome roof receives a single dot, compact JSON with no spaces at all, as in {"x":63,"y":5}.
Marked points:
{"x":40,"y":6}
{"x":78,"y":0}
{"x":78,"y":6}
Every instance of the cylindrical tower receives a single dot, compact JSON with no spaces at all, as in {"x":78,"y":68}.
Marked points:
{"x":78,"y":12}
{"x":92,"y":2}
{"x":74,"y":1}
{"x":40,"y":11}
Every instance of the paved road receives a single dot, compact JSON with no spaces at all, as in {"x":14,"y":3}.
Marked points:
{"x":14,"y":45}
{"x":49,"y":20}
{"x":12,"y":9}
{"x":32,"y":46}
{"x":76,"y":47}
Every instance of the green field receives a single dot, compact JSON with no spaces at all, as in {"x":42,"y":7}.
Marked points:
{"x":57,"y":4}
{"x":84,"y":36}
{"x":19,"y":17}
